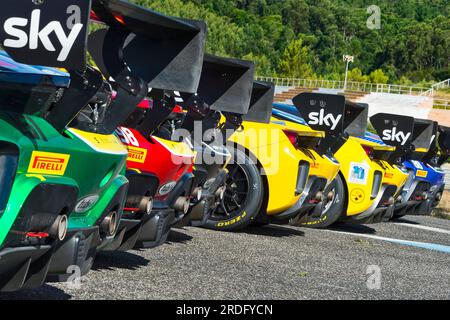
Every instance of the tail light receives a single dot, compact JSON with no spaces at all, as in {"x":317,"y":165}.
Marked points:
{"x":177,"y":109}
{"x":293,"y":137}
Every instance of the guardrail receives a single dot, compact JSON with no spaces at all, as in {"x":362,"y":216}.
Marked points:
{"x":436,"y":87}
{"x":339,"y":85}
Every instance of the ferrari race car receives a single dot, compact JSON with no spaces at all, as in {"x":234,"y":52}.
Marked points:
{"x":275,"y":176}
{"x":160,"y":171}
{"x":364,"y":191}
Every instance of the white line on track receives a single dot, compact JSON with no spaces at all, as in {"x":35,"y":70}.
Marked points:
{"x":422,"y":245}
{"x":417,"y":226}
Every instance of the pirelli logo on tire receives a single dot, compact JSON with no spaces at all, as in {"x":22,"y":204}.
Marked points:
{"x":48,"y":163}
{"x":137,"y":154}
{"x":231,"y":222}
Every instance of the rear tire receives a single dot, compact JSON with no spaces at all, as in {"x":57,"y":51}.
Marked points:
{"x":243,"y":196}
{"x":333,"y":209}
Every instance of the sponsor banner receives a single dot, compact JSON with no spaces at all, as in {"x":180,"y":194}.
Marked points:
{"x":45,"y":32}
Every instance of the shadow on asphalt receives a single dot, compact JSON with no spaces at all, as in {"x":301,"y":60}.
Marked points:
{"x":273,"y":231}
{"x":119,"y":260}
{"x":404,"y":220}
{"x":176,"y":237}
{"x":46,"y":292}
{"x":352,"y":228}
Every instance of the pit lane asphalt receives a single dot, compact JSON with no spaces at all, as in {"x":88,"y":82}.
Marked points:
{"x":274,"y":262}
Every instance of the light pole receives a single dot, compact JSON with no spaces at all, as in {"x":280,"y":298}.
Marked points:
{"x":347,"y":59}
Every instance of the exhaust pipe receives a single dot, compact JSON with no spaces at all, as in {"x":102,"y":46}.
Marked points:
{"x":197,"y":193}
{"x":59,"y":228}
{"x":319,"y":197}
{"x":220,"y":193}
{"x":143,"y":204}
{"x":109,"y":223}
{"x":330,"y":196}
{"x":182,"y":204}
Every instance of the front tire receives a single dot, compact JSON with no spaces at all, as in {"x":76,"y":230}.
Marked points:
{"x":243,"y":196}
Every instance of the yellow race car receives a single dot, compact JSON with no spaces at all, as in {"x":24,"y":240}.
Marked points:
{"x":366,"y":187}
{"x":276,"y":174}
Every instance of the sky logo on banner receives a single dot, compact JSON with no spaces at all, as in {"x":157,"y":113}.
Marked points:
{"x":40,"y":35}
{"x":46,"y":33}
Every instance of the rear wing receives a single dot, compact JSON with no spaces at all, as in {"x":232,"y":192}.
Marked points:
{"x":333,"y":115}
{"x":423,"y":137}
{"x":394,"y":130}
{"x":143,"y":49}
{"x":261,"y":103}
{"x":166,"y":52}
{"x":412,"y":138}
{"x":226,"y":86}
{"x":443,"y":142}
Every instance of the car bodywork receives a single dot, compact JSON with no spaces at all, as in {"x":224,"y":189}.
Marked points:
{"x":371,"y":183}
{"x":414,"y":196}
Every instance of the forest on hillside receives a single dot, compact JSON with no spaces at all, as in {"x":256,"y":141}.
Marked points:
{"x":307,"y":38}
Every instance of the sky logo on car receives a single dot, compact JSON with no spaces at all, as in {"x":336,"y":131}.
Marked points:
{"x":137,"y":154}
{"x":396,"y":136}
{"x":48,"y":163}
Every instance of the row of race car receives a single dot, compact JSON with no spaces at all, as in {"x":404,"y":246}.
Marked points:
{"x":161,"y":135}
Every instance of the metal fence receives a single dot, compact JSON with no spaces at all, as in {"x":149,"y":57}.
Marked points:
{"x":351,"y":85}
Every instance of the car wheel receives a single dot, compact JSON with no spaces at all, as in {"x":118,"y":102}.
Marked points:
{"x":243,"y":196}
{"x":333,"y":208}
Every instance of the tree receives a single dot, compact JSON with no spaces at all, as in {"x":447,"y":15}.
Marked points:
{"x":378,"y":76}
{"x":295,"y":61}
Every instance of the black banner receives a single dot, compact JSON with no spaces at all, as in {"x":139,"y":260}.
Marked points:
{"x":49,"y":33}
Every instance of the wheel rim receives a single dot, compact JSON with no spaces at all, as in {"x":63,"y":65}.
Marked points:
{"x":236,"y":194}
{"x":332,"y":201}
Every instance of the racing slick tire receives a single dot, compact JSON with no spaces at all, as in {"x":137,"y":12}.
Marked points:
{"x":243,"y":196}
{"x":333,"y":209}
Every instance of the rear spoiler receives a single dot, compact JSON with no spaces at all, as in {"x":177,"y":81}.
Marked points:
{"x":333,"y":115}
{"x":394,"y":130}
{"x":143,"y":49}
{"x":166,"y":52}
{"x":412,"y":138}
{"x":443,"y":142}
{"x":226,"y":86}
{"x":261,"y":103}
{"x":423,"y":138}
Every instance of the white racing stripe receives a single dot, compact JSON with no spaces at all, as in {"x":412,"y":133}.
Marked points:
{"x":417,"y":226}
{"x":422,"y":245}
